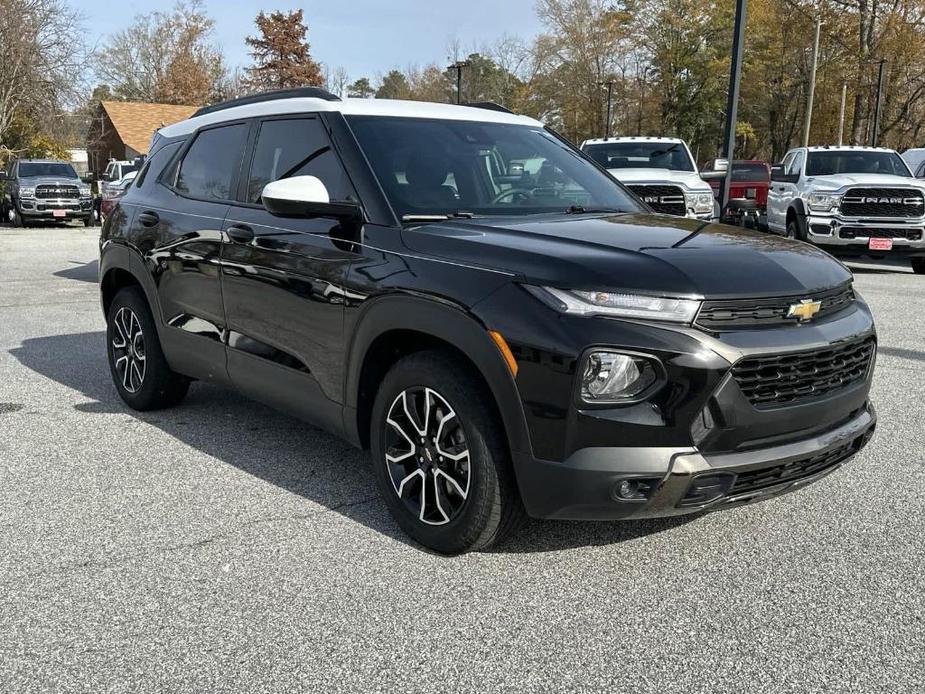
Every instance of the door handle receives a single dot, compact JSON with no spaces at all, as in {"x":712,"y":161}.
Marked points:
{"x":149,"y":219}
{"x":240,"y":233}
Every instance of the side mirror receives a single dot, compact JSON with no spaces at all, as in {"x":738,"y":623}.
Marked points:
{"x":777,"y":173}
{"x":2,"y":175}
{"x":88,"y":177}
{"x":305,"y":196}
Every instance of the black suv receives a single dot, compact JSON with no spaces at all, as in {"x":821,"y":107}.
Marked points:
{"x":502,"y":324}
{"x":44,"y":190}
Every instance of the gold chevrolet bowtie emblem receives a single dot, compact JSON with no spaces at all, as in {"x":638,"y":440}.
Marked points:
{"x":804,"y":310}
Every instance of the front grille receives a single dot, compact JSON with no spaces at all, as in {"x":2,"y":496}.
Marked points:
{"x":912,"y":234}
{"x":759,"y":313}
{"x":883,"y":202}
{"x":662,"y":199}
{"x":788,"y":379}
{"x":755,"y":480}
{"x":57,"y":192}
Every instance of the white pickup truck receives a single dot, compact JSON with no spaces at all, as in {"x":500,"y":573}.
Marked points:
{"x":851,"y":201}
{"x":660,"y":170}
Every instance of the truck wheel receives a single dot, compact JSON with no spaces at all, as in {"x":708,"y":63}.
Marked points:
{"x":793,"y":230}
{"x":918,"y":266}
{"x":139,"y":370}
{"x":440,"y":457}
{"x":17,"y":217}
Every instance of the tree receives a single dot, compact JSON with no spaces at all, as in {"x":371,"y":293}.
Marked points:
{"x":394,"y":86}
{"x":165,"y":57}
{"x":361,"y":89}
{"x":40,"y":54}
{"x":281,"y":53}
{"x":485,"y":80}
{"x":335,"y":80}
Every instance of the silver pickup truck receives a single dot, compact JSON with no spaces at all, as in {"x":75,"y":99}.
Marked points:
{"x":44,"y":190}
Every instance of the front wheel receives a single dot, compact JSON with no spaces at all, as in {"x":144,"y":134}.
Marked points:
{"x":17,"y":217}
{"x":918,"y":266}
{"x":440,"y":456}
{"x":793,"y":229}
{"x":139,"y":369}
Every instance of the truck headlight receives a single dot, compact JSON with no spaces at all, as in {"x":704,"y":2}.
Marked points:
{"x":618,"y":304}
{"x":823,"y":202}
{"x":699,"y":203}
{"x":84,"y":191}
{"x":611,"y":376}
{"x":27,"y":191}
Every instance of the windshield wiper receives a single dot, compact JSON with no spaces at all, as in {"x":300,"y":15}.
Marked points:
{"x":458,"y":214}
{"x":578,"y":209}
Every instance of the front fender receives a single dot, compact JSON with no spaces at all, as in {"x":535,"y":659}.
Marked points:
{"x":449,"y":323}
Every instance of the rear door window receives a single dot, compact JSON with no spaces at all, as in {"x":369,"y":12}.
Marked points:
{"x":208,"y":169}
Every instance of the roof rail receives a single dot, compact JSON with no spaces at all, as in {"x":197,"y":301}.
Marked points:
{"x":488,"y":105}
{"x":297,"y":93}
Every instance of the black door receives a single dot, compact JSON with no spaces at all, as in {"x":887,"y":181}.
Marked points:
{"x":179,"y":228}
{"x":283,"y":279}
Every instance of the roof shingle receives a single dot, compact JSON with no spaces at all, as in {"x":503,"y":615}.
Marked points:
{"x":136,"y":121}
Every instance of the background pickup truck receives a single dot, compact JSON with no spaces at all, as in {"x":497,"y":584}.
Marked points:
{"x":748,"y":192}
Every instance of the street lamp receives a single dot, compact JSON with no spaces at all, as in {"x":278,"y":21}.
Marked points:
{"x":609,"y":84}
{"x":458,"y":66}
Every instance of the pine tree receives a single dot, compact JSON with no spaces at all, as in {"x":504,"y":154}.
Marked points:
{"x":281,"y":54}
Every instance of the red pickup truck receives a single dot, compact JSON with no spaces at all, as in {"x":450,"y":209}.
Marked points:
{"x":748,"y":192}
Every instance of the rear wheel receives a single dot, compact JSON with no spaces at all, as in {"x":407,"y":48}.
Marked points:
{"x":139,"y":370}
{"x":918,"y":266}
{"x":440,"y":457}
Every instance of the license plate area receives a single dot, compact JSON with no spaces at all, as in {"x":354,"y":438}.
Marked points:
{"x":880,"y":244}
{"x":59,"y":213}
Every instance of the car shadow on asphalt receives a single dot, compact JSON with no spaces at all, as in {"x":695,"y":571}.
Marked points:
{"x":83,"y":272}
{"x":283,"y":451}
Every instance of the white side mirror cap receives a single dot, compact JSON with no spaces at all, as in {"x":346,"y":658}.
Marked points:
{"x":297,"y":189}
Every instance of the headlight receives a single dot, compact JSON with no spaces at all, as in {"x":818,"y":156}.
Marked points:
{"x":585,"y":303}
{"x":84,"y":191}
{"x":823,"y":202}
{"x":27,"y":191}
{"x":699,"y":203}
{"x":612,"y":376}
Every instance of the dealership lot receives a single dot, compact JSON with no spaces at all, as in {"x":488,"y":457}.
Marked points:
{"x":221,"y":546}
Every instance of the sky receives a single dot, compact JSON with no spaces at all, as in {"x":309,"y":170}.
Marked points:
{"x":366,"y":37}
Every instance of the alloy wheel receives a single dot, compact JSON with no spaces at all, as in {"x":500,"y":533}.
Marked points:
{"x":128,"y":349}
{"x":426,"y":455}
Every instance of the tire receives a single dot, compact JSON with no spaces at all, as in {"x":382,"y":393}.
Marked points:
{"x":17,"y":217}
{"x":918,"y":266}
{"x":88,"y":221}
{"x":459,"y":495}
{"x":793,"y":229}
{"x":144,"y":383}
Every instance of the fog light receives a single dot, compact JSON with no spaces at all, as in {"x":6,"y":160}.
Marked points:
{"x":634,"y":489}
{"x":612,"y":377}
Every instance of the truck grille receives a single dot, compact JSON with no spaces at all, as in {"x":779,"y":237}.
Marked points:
{"x":760,"y":313}
{"x":46,"y":191}
{"x":662,"y":199}
{"x":912,"y":234}
{"x":883,"y":202}
{"x":787,"y":379}
{"x":754,"y":480}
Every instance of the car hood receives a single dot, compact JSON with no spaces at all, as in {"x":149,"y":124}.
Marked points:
{"x":840,"y":181}
{"x":639,"y":252}
{"x":689,"y":180}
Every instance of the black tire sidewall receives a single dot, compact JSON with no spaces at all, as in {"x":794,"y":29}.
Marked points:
{"x":160,"y":386}
{"x":479,"y":517}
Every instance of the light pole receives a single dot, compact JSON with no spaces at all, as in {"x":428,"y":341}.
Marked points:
{"x":807,"y":121}
{"x":458,"y":66}
{"x":732,"y":98}
{"x":876,"y":134}
{"x":609,"y":84}
{"x":841,"y":113}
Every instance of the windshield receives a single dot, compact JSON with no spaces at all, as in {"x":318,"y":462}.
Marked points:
{"x":641,"y":155}
{"x":750,"y":172}
{"x":445,"y":167}
{"x":28,"y":169}
{"x":855,"y":162}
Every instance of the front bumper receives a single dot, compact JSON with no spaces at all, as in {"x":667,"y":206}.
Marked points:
{"x":845,"y":235}
{"x":584,"y":487}
{"x":44,"y":208}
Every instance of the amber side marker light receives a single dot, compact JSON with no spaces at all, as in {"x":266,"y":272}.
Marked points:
{"x":505,"y":351}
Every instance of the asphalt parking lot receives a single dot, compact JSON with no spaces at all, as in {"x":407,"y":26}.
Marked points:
{"x":220,"y":546}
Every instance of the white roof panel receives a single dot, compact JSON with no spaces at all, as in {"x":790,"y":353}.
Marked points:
{"x":349,"y":107}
